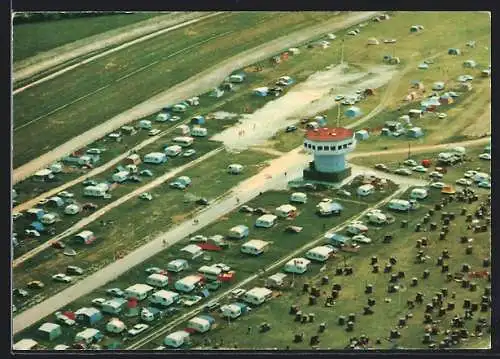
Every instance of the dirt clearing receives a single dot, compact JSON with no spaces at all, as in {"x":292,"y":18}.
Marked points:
{"x":315,"y":95}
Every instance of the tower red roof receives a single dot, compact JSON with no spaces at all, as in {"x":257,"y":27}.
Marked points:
{"x":329,"y":134}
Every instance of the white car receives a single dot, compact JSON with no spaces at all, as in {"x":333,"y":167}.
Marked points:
{"x":339,"y":97}
{"x":16,"y":215}
{"x":356,"y":228}
{"x":97,"y":302}
{"x":439,"y":185}
{"x":389,"y":41}
{"x":484,"y":184}
{"x":198,"y":239}
{"x":60,"y":277}
{"x":410,"y":163}
{"x":442,"y":115}
{"x":223,"y":267}
{"x":485,"y":156}
{"x":189,"y":153}
{"x":403,"y":171}
{"x":463,"y":182}
{"x":238,"y":293}
{"x":137,"y":329}
{"x":435,"y":174}
{"x":470,"y":173}
{"x":66,"y":194}
{"x":419,"y":168}
{"x":361,"y":239}
{"x":154,"y":132}
{"x":43,"y":201}
{"x":174,"y":118}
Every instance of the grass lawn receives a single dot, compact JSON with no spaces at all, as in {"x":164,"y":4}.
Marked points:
{"x":352,"y":298}
{"x":137,"y":221}
{"x":248,"y":29}
{"x":282,"y":243}
{"x":453,"y":172}
{"x":32,"y":38}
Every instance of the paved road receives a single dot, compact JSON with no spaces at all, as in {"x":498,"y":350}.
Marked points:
{"x":94,"y":216}
{"x":200,"y":83}
{"x":155,"y":26}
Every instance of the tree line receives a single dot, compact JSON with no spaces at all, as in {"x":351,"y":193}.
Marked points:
{"x":30,"y":17}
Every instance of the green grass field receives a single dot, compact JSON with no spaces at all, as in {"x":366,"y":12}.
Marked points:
{"x":162,"y":55}
{"x":136,"y":221}
{"x":33,"y":38}
{"x":282,"y":243}
{"x":352,"y":298}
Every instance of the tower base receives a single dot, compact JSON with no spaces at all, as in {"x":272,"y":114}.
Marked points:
{"x":313,"y":175}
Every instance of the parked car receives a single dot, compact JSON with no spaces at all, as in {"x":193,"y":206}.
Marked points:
{"x":202,"y":201}
{"x":211,"y":306}
{"x":97,"y":302}
{"x":189,"y":153}
{"x":43,"y":201}
{"x":290,"y":128}
{"x":309,"y":186}
{"x":419,"y":168}
{"x":339,"y":97}
{"x":382,"y":167}
{"x":74,"y":270}
{"x":484,"y":184}
{"x":90,"y":207}
{"x":154,"y":132}
{"x":236,"y":293}
{"x":223,"y":267}
{"x":66,"y":194}
{"x":90,"y":183}
{"x":260,"y":211}
{"x":485,"y":156}
{"x":35,"y":284}
{"x":198,"y":239}
{"x":146,"y":196}
{"x":153,"y":270}
{"x":177,"y":185}
{"x":463,"y":182}
{"x":470,"y":173}
{"x":442,"y":115}
{"x":403,"y":171}
{"x":60,"y":317}
{"x":115,"y":292}
{"x":31,"y":233}
{"x":246,"y":209}
{"x":361,"y":239}
{"x":436,"y":174}
{"x":20,"y":293}
{"x":439,"y":185}
{"x":60,"y":277}
{"x":174,"y":118}
{"x":137,"y":329}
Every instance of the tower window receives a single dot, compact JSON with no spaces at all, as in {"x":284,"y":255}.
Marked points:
{"x":320,"y":148}
{"x":313,"y":147}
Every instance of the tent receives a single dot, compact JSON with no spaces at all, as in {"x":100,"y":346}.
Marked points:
{"x":362,"y":135}
{"x":470,"y":64}
{"x":453,"y":51}
{"x":353,"y":112}
{"x":372,"y":41}
{"x":198,"y":120}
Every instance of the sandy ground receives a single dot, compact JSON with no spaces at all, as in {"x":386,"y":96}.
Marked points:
{"x":46,"y":60}
{"x":481,"y":125}
{"x":180,"y":21}
{"x":202,"y":82}
{"x":308,"y":98}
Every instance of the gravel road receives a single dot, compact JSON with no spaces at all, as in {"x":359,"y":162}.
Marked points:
{"x":202,"y":82}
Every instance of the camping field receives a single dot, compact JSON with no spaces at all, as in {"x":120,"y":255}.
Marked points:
{"x":465,"y":114}
{"x":472,"y":162}
{"x":136,"y":221}
{"x":30,"y":39}
{"x":102,"y":89}
{"x":388,"y":308}
{"x":282,"y":243}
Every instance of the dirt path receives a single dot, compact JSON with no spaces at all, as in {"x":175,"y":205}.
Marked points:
{"x":46,"y":60}
{"x":198,"y":84}
{"x":173,"y":24}
{"x":94,"y":216}
{"x":424,"y":148}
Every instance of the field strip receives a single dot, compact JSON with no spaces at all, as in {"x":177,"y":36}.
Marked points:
{"x":169,"y":326}
{"x":115,"y":49}
{"x":85,"y":221}
{"x":118,"y":80}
